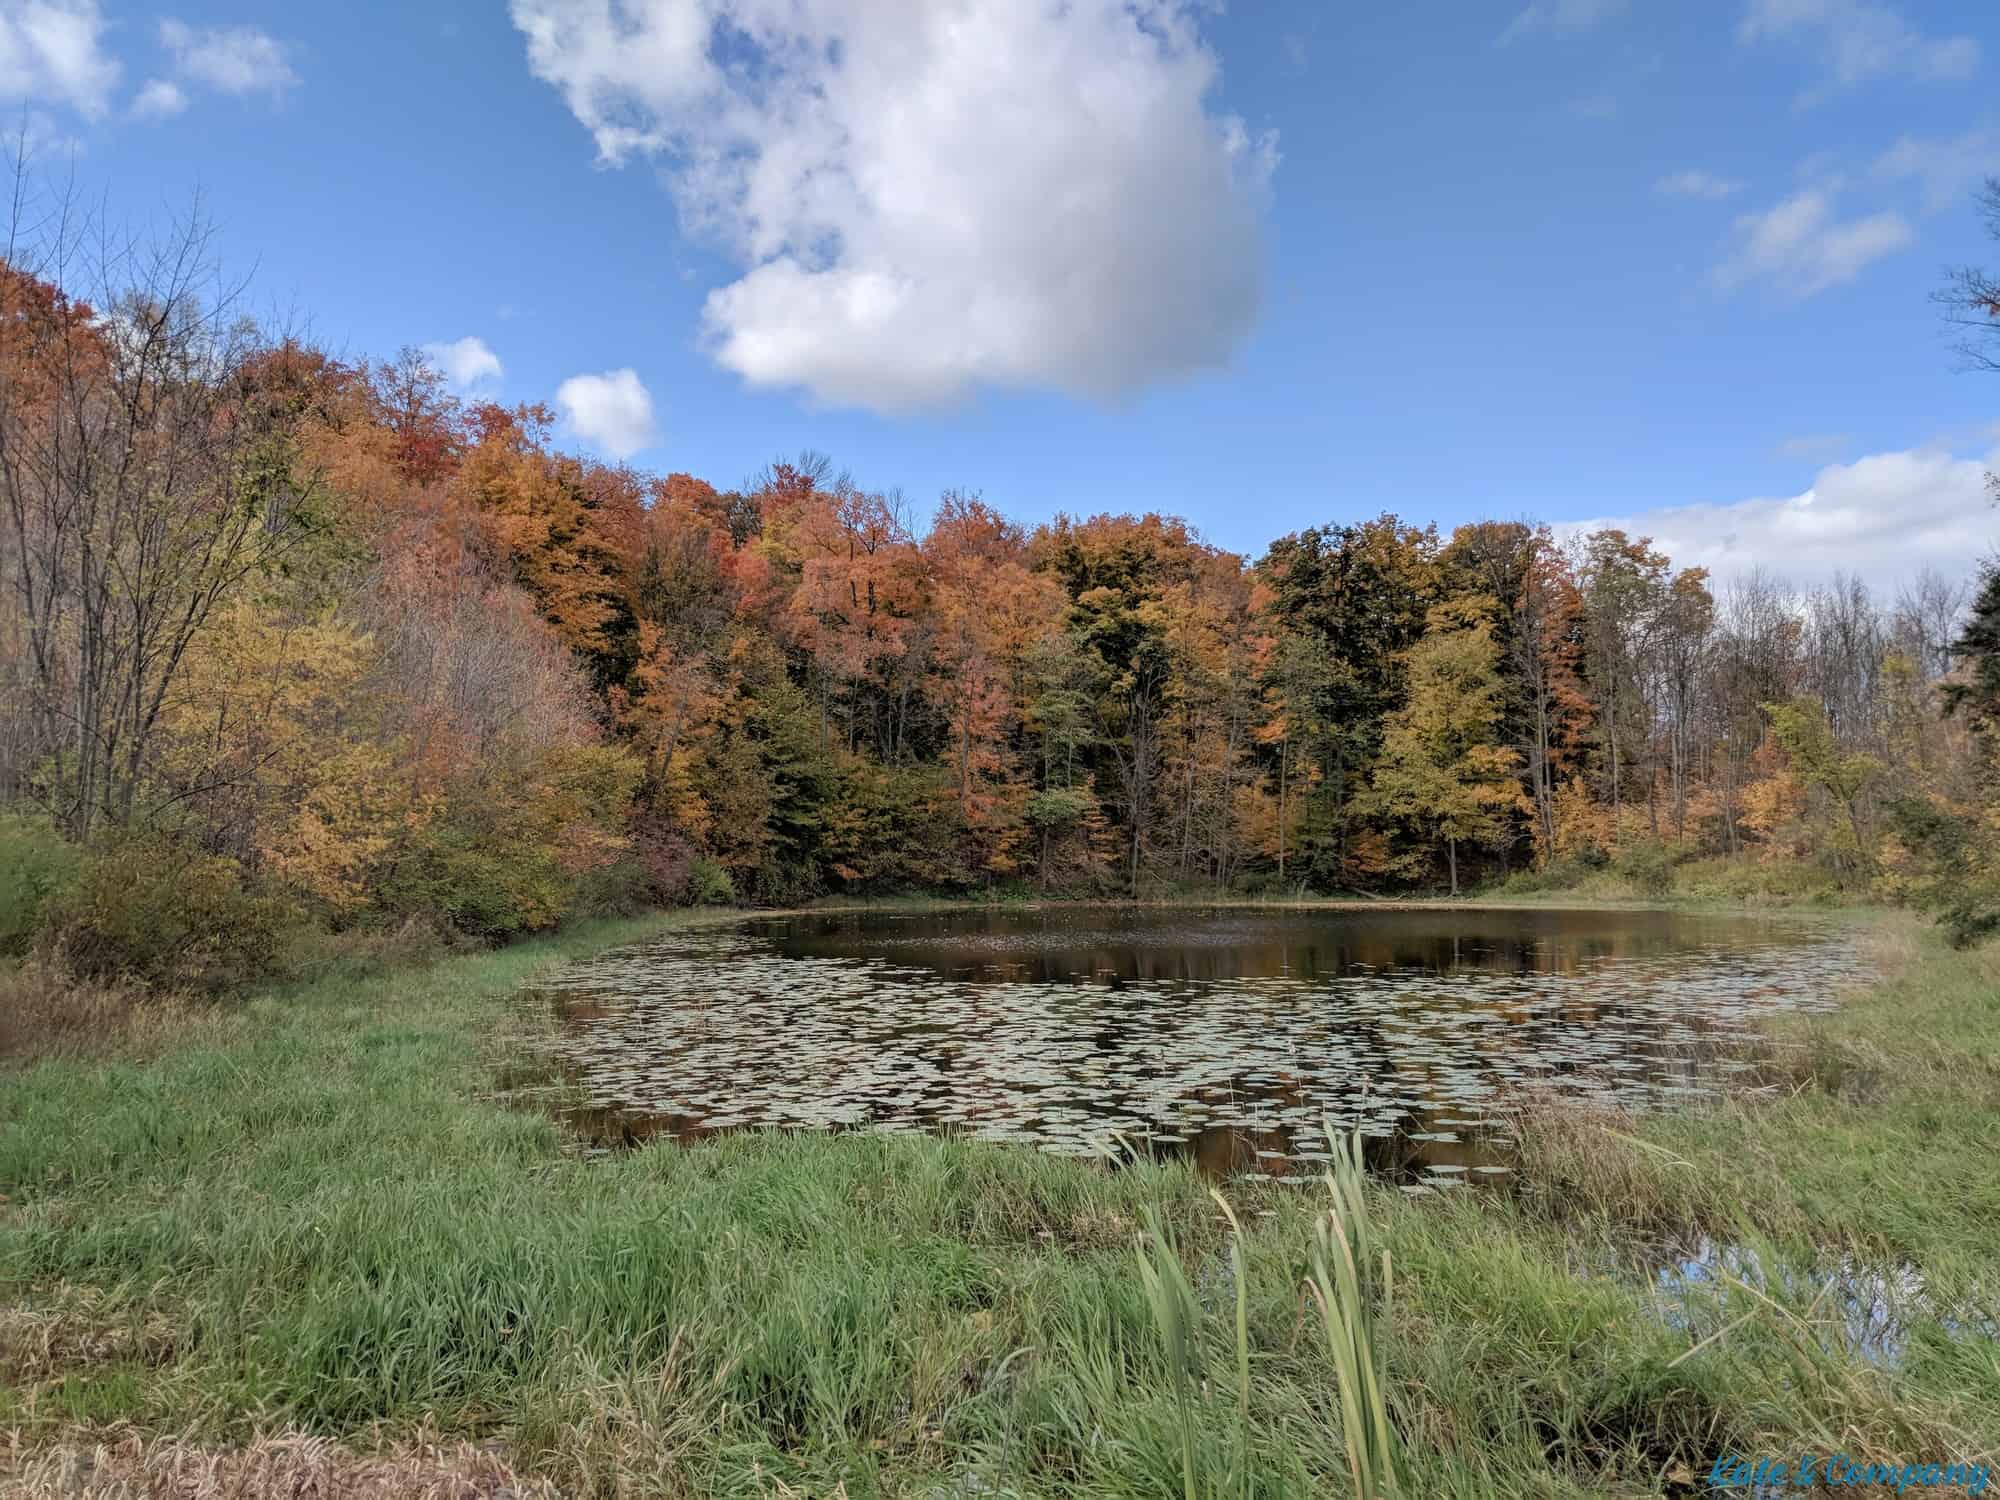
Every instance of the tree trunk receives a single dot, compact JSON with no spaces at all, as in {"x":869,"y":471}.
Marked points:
{"x":1283,"y":746}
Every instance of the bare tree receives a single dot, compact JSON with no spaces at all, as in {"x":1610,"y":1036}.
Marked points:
{"x":1929,"y":615}
{"x":1682,"y":640}
{"x":1970,"y":296}
{"x":1754,"y":661}
{"x":139,"y":487}
{"x":1843,"y":656}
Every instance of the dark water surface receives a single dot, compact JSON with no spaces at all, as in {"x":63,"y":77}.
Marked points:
{"x":1232,"y":1035}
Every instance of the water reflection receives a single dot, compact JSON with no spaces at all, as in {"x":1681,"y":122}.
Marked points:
{"x":1851,"y":1307}
{"x":1229,"y":1036}
{"x":1117,"y":945}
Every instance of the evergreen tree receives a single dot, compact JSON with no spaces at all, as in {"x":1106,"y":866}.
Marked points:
{"x":1978,"y":651}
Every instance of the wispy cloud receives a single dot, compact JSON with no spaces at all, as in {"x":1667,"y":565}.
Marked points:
{"x":1946,"y":169}
{"x":1801,"y":247}
{"x":1858,"y":40}
{"x":1561,"y":18}
{"x":159,"y":99}
{"x":1695,"y":183}
{"x":234,"y":60}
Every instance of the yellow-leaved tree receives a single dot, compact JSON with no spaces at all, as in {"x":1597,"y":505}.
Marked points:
{"x":273,"y":735}
{"x":1440,"y":771}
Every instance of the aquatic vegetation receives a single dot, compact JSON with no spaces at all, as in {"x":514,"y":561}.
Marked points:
{"x":1064,"y":1032}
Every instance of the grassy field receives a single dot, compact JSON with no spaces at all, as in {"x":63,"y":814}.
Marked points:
{"x":303,"y":1247}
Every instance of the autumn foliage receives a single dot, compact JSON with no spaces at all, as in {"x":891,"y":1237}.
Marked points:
{"x":375,"y":654}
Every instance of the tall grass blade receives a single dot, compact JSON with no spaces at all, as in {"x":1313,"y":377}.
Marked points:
{"x":1177,"y":1316}
{"x":1239,"y":1264}
{"x":1351,"y":1295}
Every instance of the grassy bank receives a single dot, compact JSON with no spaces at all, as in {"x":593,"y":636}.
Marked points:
{"x":1656,"y":874}
{"x":315,"y":1221}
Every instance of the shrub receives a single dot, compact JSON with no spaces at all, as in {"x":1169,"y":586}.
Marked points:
{"x":1647,"y":867}
{"x":1957,"y":879}
{"x":619,"y":889}
{"x":362,"y":951}
{"x":666,"y":860}
{"x":516,"y":852}
{"x":36,"y":866}
{"x":465,"y":874}
{"x":1564,"y":874}
{"x":154,"y":909}
{"x":1758,"y":880}
{"x":709,"y":883}
{"x":777,"y":881}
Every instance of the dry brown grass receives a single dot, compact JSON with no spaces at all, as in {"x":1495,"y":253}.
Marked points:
{"x":75,"y":1328}
{"x":1577,"y":1161}
{"x":1892,"y":945}
{"x":47,"y":1012}
{"x":124,"y":1465}
{"x":627,"y":1432}
{"x":1582,"y":1164}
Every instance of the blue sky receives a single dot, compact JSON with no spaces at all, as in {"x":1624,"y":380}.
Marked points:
{"x":1268,"y":266}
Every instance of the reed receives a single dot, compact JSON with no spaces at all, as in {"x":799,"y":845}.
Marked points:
{"x":1352,"y":1295}
{"x":1177,"y":1315}
{"x":1211,"y":1469}
{"x":1240,"y":1266}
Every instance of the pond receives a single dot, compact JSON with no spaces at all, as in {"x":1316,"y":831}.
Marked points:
{"x":1235,"y":1036}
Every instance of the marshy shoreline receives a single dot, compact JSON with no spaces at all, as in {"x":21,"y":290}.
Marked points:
{"x":324,"y":1237}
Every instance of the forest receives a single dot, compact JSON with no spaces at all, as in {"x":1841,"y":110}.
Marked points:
{"x":295,"y":643}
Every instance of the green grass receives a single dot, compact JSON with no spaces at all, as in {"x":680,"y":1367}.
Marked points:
{"x":1653,"y":875}
{"x":317,"y":1216}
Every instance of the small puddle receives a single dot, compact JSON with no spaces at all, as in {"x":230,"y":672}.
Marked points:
{"x":1848,"y":1307}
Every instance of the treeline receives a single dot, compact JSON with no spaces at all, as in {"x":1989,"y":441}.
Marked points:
{"x":289,"y":638}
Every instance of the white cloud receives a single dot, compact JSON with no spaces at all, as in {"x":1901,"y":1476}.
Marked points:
{"x":52,"y":51}
{"x":1695,"y":183}
{"x":1860,"y":39}
{"x":160,"y":98}
{"x":40,"y":135}
{"x":1802,"y":248}
{"x":1947,"y":170}
{"x":613,"y":410}
{"x":929,"y":199}
{"x":235,"y":60}
{"x":1883,"y":517}
{"x":1561,"y":17}
{"x":465,"y":362}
